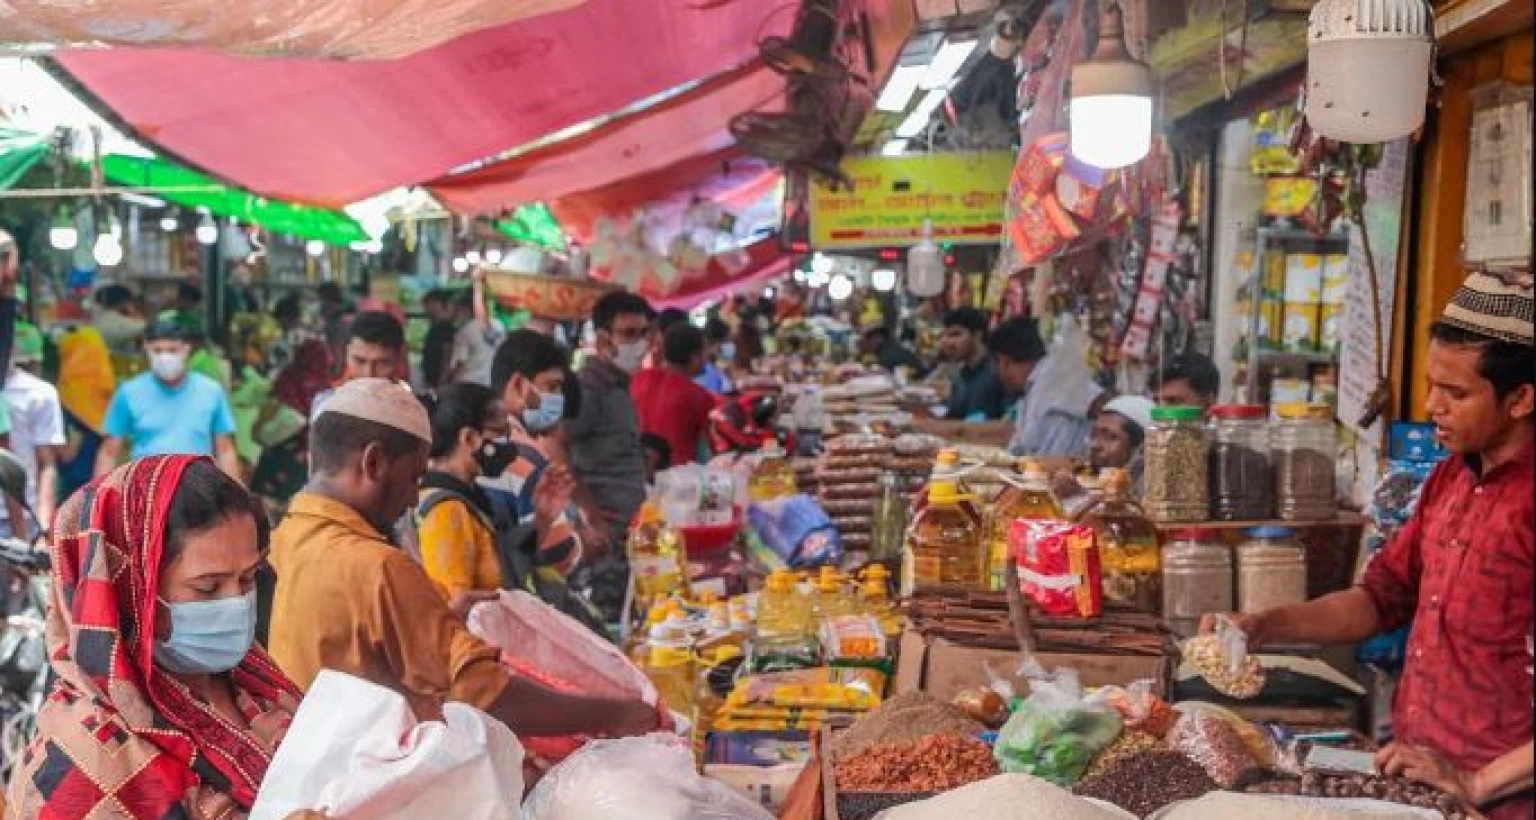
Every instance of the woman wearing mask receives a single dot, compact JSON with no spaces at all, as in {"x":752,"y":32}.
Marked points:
{"x":163,"y":706}
{"x":456,"y":528}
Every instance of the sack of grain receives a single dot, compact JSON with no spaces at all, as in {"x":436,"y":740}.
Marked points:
{"x":1004,"y":797}
{"x":1228,"y":805}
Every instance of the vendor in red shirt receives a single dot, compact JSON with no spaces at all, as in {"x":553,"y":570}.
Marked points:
{"x":1460,"y":569}
{"x":670,"y":404}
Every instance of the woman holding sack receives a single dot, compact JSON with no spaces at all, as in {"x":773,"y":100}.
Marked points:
{"x":163,"y":706}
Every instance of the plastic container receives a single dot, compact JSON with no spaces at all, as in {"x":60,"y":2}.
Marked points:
{"x":1241,"y":475}
{"x":1127,"y":542}
{"x":1271,"y":570}
{"x":669,"y":663}
{"x":1031,"y":499}
{"x":774,"y":475}
{"x":1305,"y":455}
{"x":890,"y":520}
{"x":657,"y":560}
{"x":1176,"y":454}
{"x":944,"y":544}
{"x":1197,"y":578}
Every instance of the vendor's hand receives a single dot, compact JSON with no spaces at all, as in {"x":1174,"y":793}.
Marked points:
{"x":465,"y":601}
{"x":1425,"y":766}
{"x":306,"y":814}
{"x":1251,"y":625}
{"x":636,"y":717}
{"x":553,"y":495}
{"x":1064,"y":484}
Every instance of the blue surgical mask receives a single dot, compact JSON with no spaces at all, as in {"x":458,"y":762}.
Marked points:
{"x":728,"y":351}
{"x":548,"y":414}
{"x":208,"y":637}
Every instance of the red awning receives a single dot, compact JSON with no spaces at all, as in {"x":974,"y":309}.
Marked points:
{"x":331,"y":133}
{"x":690,"y":125}
{"x":725,"y":177}
{"x":766,"y":260}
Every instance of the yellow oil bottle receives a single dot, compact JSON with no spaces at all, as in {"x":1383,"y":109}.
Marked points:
{"x":1031,"y":498}
{"x":657,"y":560}
{"x":774,"y":475}
{"x":944,"y":543}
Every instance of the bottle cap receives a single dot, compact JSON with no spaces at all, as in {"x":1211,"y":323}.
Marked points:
{"x":1031,"y":468}
{"x":1237,"y":412}
{"x":943,"y":492}
{"x":1177,"y":413}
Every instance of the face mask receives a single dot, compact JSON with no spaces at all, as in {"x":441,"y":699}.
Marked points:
{"x":208,"y":637}
{"x":168,"y":366}
{"x":728,"y":351}
{"x":631,"y":356}
{"x":548,"y":414}
{"x":494,"y":455}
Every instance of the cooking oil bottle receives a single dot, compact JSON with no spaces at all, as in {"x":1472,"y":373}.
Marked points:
{"x":656,"y":557}
{"x":836,"y":597}
{"x":1032,"y":498}
{"x":779,"y":612}
{"x":944,"y":543}
{"x":946,"y":467}
{"x":1128,"y":546}
{"x":774,"y":475}
{"x":875,"y":601}
{"x":669,"y":663}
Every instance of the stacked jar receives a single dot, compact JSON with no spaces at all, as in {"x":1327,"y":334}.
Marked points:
{"x":1305,"y":455}
{"x":1176,"y":452}
{"x":1242,"y":478}
{"x":1197,"y":578}
{"x":1271,"y":570}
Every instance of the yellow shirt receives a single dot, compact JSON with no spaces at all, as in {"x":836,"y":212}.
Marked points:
{"x":458,"y":550}
{"x":348,"y":600}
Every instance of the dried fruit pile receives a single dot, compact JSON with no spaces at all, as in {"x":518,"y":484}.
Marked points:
{"x":932,"y":764}
{"x":1390,"y":789}
{"x":1147,"y":781}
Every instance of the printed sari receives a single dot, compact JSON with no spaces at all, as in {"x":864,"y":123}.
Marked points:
{"x":118,"y":737}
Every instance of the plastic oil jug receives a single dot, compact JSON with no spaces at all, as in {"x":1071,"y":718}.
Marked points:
{"x":656,"y":556}
{"x":669,"y":663}
{"x":774,"y":475}
{"x":836,"y":597}
{"x":1030,"y":498}
{"x":875,"y":600}
{"x":944,"y":544}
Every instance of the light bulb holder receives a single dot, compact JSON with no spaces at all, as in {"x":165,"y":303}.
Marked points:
{"x":1111,"y":69}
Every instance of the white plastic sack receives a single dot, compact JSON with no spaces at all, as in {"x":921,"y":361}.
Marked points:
{"x":635,"y":778}
{"x":356,"y":752}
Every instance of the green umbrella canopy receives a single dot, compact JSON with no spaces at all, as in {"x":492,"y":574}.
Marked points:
{"x":333,"y":227}
{"x":535,"y":225}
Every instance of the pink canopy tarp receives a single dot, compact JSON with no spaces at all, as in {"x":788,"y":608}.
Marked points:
{"x":336,"y":29}
{"x":331,"y":133}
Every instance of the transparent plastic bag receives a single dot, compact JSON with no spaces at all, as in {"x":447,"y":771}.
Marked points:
{"x":1222,"y":658}
{"x":635,"y":778}
{"x":1141,"y":708}
{"x":1058,"y":730}
{"x":1212,"y":741}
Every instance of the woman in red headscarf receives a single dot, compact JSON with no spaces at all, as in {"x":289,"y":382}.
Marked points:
{"x":164,"y":707}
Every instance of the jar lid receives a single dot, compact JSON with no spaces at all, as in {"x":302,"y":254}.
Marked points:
{"x":1271,"y":532}
{"x":1237,"y":411}
{"x":1177,"y":413}
{"x":1195,"y":534}
{"x":1303,"y":410}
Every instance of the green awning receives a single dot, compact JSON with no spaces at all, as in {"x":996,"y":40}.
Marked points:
{"x":333,"y":227}
{"x":535,"y":225}
{"x":19,"y":151}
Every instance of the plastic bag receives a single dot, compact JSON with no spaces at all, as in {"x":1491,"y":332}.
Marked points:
{"x":797,"y":530}
{"x":635,"y":778}
{"x":1058,"y":566}
{"x":542,"y":644}
{"x":1141,"y":708}
{"x":1058,"y":730}
{"x":355,"y":751}
{"x":1223,"y":660}
{"x":1210,"y":740}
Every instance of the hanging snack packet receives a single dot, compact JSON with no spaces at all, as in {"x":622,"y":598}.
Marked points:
{"x":1058,"y":566}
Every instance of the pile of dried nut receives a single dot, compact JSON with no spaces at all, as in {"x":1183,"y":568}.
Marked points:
{"x":1391,"y":789}
{"x":1209,"y":657}
{"x":1129,"y":743}
{"x":931,"y":764}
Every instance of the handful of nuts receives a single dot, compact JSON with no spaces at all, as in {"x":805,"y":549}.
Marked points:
{"x":1223,"y":660}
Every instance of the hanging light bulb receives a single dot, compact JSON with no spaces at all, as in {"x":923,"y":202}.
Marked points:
{"x":207,"y":230}
{"x":108,"y":250}
{"x":460,"y":265}
{"x":769,"y":293}
{"x":883,"y":280}
{"x":63,"y":236}
{"x":169,"y":223}
{"x":925,"y":265}
{"x":1368,"y":68}
{"x":840,"y":288}
{"x":493,"y":256}
{"x":822,"y":265}
{"x":314,"y":247}
{"x":472,"y":257}
{"x":1111,"y":109}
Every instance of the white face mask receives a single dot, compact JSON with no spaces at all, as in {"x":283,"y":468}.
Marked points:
{"x":168,"y":367}
{"x":631,"y":356}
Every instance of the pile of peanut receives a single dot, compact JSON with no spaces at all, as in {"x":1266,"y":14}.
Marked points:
{"x":935,"y":763}
{"x":1206,"y":654}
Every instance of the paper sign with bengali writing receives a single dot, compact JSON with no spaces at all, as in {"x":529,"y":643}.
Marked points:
{"x":962,"y":194}
{"x":550,"y":297}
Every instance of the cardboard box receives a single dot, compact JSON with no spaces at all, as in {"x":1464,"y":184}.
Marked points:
{"x":942,"y":668}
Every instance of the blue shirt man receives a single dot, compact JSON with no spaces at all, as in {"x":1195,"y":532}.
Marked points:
{"x":169,"y":409}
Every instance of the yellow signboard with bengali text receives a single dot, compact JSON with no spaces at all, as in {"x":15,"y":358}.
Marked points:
{"x":962,"y":194}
